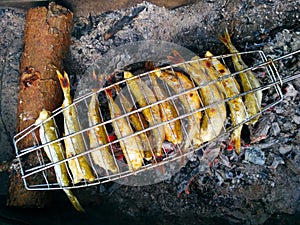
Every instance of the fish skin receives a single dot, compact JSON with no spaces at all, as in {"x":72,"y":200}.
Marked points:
{"x":214,"y":117}
{"x":74,"y":145}
{"x":151,"y":114}
{"x":190,"y":101}
{"x":132,"y":147}
{"x":230,"y":89}
{"x":173,"y":130}
{"x":252,"y":100}
{"x":55,"y":152}
{"x":138,"y":122}
{"x":97,"y":136}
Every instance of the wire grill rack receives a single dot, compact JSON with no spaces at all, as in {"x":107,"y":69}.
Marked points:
{"x":270,"y":86}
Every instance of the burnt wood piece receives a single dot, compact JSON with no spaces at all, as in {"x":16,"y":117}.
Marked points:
{"x":47,"y":39}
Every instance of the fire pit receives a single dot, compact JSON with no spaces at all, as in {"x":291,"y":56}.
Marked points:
{"x":213,"y":186}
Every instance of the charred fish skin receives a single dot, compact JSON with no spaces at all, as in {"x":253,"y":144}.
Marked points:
{"x":138,"y":122}
{"x":97,"y":137}
{"x":252,"y":100}
{"x":74,"y":145}
{"x":142,"y":93}
{"x":131,"y":146}
{"x":173,"y":132}
{"x":55,"y":152}
{"x":179,"y":83}
{"x":230,"y":89}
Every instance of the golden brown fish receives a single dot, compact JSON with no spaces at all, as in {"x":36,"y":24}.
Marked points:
{"x":97,"y":136}
{"x":214,"y":117}
{"x":168,"y":111}
{"x":145,"y":96}
{"x":190,"y":101}
{"x":55,"y":153}
{"x":131,"y":146}
{"x":249,"y":82}
{"x":79,"y":166}
{"x":138,"y":122}
{"x":230,"y":89}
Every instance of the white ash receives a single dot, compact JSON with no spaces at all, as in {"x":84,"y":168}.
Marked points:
{"x":255,"y":155}
{"x":193,"y":26}
{"x":275,"y":128}
{"x":296,"y":119}
{"x":284,"y":149}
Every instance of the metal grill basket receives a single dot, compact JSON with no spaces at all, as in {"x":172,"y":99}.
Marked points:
{"x":270,"y":85}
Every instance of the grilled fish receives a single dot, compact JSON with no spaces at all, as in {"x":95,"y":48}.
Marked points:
{"x":97,"y":137}
{"x":138,"y":122}
{"x":230,"y":89}
{"x":79,"y":166}
{"x":55,"y":152}
{"x":173,"y":132}
{"x":131,"y":146}
{"x":151,"y":114}
{"x":190,"y":101}
{"x":249,"y":81}
{"x":214,"y":116}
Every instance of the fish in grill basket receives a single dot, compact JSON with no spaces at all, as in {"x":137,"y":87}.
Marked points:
{"x":131,"y":146}
{"x":230,"y":89}
{"x":168,"y":111}
{"x":138,"y":122}
{"x":249,"y":82}
{"x":190,"y":101}
{"x":145,"y":96}
{"x":97,"y":136}
{"x":74,"y":145}
{"x":55,"y":152}
{"x":214,"y":116}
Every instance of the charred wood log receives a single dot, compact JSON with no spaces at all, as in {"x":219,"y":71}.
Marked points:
{"x":46,"y":42}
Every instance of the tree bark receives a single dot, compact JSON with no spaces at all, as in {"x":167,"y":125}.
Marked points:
{"x":47,"y":39}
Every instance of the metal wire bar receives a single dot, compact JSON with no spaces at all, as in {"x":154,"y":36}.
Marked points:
{"x":269,"y":83}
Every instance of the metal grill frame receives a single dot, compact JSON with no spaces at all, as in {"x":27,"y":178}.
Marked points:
{"x":274,"y":81}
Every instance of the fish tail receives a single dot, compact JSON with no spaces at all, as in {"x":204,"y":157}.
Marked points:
{"x":227,"y":41}
{"x":64,"y":83}
{"x":226,"y":38}
{"x":149,"y":65}
{"x":182,"y":161}
{"x":236,"y":139}
{"x":109,"y":93}
{"x":74,"y":200}
{"x":162,"y":170}
{"x":101,"y":80}
{"x":94,"y":76}
{"x":96,"y":82}
{"x":176,"y":57}
{"x":118,"y":89}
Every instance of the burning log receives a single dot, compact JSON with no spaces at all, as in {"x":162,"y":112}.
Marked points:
{"x":46,"y":43}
